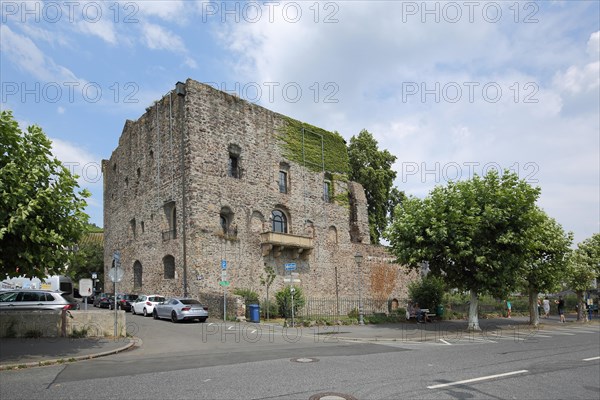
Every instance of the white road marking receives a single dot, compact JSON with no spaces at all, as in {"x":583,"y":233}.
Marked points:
{"x":483,"y":378}
{"x":443,"y":341}
{"x":591,"y":359}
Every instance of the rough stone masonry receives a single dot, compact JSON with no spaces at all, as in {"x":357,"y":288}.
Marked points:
{"x":205,"y":179}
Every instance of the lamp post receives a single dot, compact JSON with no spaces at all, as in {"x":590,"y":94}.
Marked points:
{"x":358,"y":258}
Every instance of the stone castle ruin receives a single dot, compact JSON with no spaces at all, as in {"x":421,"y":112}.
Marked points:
{"x":204,"y":180}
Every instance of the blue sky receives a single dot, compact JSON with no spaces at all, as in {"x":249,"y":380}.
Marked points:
{"x":450,"y":88}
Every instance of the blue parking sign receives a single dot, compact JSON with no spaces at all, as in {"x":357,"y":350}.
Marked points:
{"x":223,"y":264}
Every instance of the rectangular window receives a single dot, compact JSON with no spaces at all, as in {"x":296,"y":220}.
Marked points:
{"x":233,"y":168}
{"x":132,"y":226}
{"x":283,"y":182}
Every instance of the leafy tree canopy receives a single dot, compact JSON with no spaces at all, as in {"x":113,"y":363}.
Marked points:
{"x":548,"y":250}
{"x":372,"y":168}
{"x":471,"y":232}
{"x":41,"y":213}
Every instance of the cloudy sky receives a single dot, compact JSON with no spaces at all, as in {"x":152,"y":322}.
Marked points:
{"x":450,"y":88}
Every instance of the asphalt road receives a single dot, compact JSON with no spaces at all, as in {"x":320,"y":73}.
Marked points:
{"x":239,"y":361}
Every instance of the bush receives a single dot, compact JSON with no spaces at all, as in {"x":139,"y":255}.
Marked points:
{"x":273,"y":308}
{"x":284,"y":301}
{"x":250,"y":297}
{"x":429,"y":292}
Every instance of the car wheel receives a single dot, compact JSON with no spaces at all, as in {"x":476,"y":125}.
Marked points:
{"x":146,"y":312}
{"x":203,"y":319}
{"x":154,"y":314}
{"x":173,"y":316}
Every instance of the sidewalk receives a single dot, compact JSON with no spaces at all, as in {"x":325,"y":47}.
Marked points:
{"x":22,"y":352}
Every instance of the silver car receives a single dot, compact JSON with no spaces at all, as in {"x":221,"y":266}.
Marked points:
{"x":179,"y":309}
{"x":30,"y":299}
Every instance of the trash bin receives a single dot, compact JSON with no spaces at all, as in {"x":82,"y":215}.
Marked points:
{"x":439,"y":311}
{"x":254,"y":311}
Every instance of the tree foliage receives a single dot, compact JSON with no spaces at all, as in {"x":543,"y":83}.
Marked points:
{"x":428,"y":292}
{"x":471,"y":232}
{"x":372,"y":168}
{"x":547,"y":256}
{"x":87,"y":257}
{"x":584,"y":267}
{"x":41,"y":213}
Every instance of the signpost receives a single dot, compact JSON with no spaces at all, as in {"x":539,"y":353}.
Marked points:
{"x":85,"y":289}
{"x":116,"y":275}
{"x":293,"y":278}
{"x":224,"y":283}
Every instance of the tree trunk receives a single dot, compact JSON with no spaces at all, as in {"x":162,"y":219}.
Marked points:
{"x":534,"y":314}
{"x":473,"y":315}
{"x":581,"y":314}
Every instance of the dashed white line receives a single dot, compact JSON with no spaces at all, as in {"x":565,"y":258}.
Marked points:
{"x":591,"y":359}
{"x":443,"y":341}
{"x":483,"y":378}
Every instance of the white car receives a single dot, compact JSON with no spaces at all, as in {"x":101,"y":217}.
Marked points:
{"x":144,"y":304}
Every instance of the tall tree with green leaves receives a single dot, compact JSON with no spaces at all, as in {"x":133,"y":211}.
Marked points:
{"x":87,"y":257}
{"x":548,"y":248}
{"x":471,"y":232}
{"x":372,"y":168}
{"x":41,"y":211}
{"x":584,"y":267}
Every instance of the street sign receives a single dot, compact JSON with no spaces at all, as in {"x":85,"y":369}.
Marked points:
{"x":116,"y":274}
{"x":224,"y":283}
{"x":223,"y":264}
{"x":223,"y":275}
{"x":294,"y":278}
{"x":290,"y":266}
{"x":85,"y":287}
{"x":117,"y":256}
{"x":94,"y":275}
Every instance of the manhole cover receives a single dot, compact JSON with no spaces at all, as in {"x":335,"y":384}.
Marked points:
{"x":305,"y":360}
{"x":331,"y":396}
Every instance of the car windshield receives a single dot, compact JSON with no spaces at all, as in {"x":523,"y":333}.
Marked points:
{"x":189,"y":301}
{"x":157,"y":299}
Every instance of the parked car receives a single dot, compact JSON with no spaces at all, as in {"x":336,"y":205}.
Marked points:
{"x":144,"y":304}
{"x":179,"y":309}
{"x":123,"y":301}
{"x":31,"y":299}
{"x":102,"y":300}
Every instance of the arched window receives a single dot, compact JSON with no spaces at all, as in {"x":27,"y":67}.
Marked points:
{"x":137,"y":275}
{"x":279,"y":221}
{"x":169,"y":267}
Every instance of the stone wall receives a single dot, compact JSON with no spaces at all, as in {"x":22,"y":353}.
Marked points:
{"x":48,"y":324}
{"x":152,"y":167}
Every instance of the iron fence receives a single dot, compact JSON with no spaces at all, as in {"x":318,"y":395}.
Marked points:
{"x":317,"y":308}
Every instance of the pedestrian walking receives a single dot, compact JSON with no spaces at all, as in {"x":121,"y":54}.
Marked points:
{"x":561,"y":308}
{"x":546,"y":305}
{"x":508,"y":308}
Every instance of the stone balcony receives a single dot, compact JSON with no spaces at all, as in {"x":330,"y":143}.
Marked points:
{"x":301,"y":246}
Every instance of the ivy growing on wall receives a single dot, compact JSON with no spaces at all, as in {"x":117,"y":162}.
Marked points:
{"x":334,"y":147}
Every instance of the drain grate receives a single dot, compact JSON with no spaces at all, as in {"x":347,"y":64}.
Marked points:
{"x":304,"y":360}
{"x":331,"y":396}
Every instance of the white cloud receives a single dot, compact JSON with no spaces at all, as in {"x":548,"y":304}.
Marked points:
{"x":593,"y":45}
{"x":103,"y":29}
{"x":80,"y":162}
{"x":61,"y":110}
{"x":156,"y":37}
{"x":579,"y":79}
{"x":24,"y":53}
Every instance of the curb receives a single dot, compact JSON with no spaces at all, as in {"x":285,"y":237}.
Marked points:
{"x":43,"y":363}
